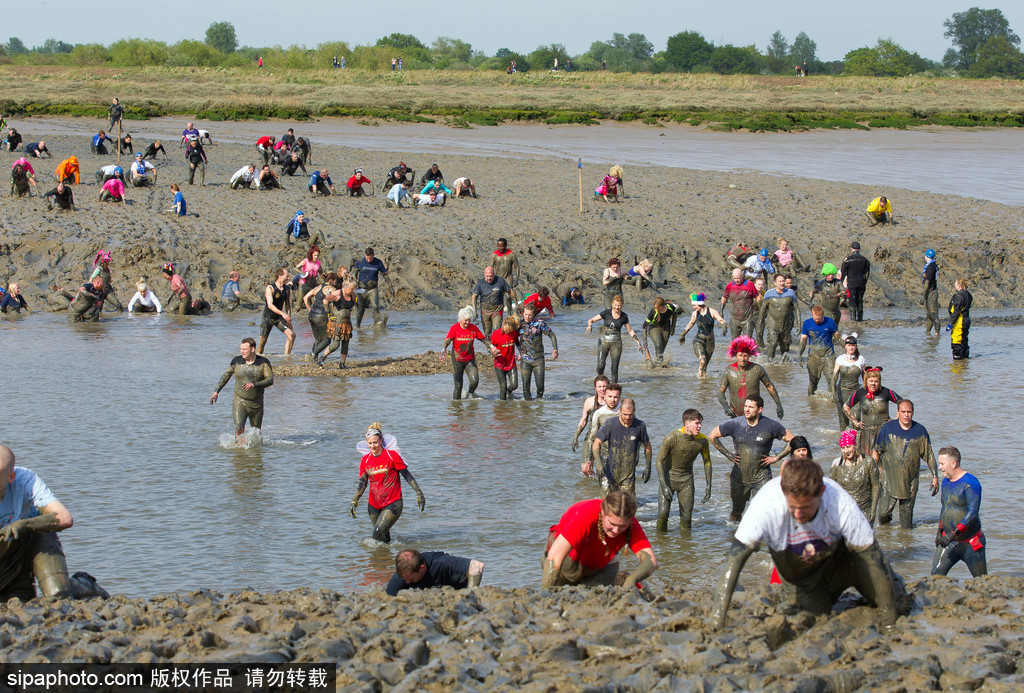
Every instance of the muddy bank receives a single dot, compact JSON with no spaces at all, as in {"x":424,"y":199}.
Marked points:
{"x":957,"y":636}
{"x":417,"y":364}
{"x":683,"y":220}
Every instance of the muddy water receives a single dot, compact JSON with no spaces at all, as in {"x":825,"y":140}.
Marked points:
{"x":129,"y":442}
{"x":971,"y":162}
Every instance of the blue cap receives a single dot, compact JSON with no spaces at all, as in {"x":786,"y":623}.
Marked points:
{"x":764,"y":252}
{"x":118,"y":170}
{"x":298,"y":213}
{"x":930,"y":254}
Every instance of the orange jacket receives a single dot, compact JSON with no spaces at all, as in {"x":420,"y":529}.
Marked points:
{"x":68,"y":167}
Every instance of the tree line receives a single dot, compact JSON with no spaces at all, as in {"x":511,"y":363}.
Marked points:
{"x":983,"y":45}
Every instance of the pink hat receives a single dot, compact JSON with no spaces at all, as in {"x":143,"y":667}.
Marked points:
{"x":847,"y":437}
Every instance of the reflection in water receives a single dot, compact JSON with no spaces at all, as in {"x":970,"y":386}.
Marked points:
{"x":495,"y":474}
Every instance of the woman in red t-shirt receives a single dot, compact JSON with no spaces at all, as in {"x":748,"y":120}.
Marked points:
{"x":505,"y":341}
{"x":461,"y":337}
{"x":380,"y":468}
{"x":583,"y":547}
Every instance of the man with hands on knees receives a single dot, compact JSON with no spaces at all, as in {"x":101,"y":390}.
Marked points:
{"x":583,"y":548}
{"x":819,"y":540}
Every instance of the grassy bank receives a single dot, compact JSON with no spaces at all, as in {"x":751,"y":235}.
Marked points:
{"x":488,"y":98}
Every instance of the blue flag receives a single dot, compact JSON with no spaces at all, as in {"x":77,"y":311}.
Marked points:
{"x":579,"y":163}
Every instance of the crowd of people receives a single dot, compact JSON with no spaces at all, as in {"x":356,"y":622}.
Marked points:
{"x":819,"y":522}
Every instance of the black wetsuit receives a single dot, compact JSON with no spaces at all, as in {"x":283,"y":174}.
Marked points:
{"x":64,"y":200}
{"x":35,"y":150}
{"x":930,"y":279}
{"x":291,"y":167}
{"x":856,"y":269}
{"x":270,"y":318}
{"x":152,"y":150}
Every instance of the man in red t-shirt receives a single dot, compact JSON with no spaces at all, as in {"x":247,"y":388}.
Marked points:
{"x":741,"y":295}
{"x":265,"y":146}
{"x":540,"y":300}
{"x":461,"y":336}
{"x":583,"y":547}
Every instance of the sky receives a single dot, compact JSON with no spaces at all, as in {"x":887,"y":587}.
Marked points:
{"x":836,"y":27}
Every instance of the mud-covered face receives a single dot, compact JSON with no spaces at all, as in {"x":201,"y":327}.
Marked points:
{"x":742,"y":359}
{"x":245,"y":350}
{"x":692,"y":427}
{"x":849,"y":451}
{"x":803,"y":508}
{"x":614,"y":525}
{"x":780,"y":283}
{"x":611,"y":398}
{"x":947,"y":465}
{"x":751,"y":410}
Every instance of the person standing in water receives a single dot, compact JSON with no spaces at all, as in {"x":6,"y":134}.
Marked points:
{"x":609,"y":410}
{"x":660,"y":325}
{"x":819,"y":332}
{"x":277,"y":311}
{"x":625,"y":435}
{"x":101,"y":267}
{"x":506,"y":340}
{"x":490,"y":297}
{"x":612,"y":280}
{"x":367,"y":272}
{"x":379,"y":469}
{"x":743,"y":378}
{"x":531,"y":350}
{"x":741,"y":295}
{"x":930,"y":279}
{"x":959,"y":536}
{"x":611,"y":336}
{"x":830,"y":292}
{"x":960,"y":320}
{"x":675,"y":469}
{"x":341,"y":310}
{"x":857,"y":474}
{"x":704,"y":317}
{"x":590,"y":405}
{"x":899,"y":448}
{"x":868,"y":408}
{"x":846,"y":377}
{"x":461,"y":337}
{"x":253,"y":374}
{"x":780,"y":310}
{"x":855,"y":271}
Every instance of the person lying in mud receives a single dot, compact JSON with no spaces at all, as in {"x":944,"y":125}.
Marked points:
{"x":570,"y":294}
{"x":640,"y":275}
{"x":253,"y":374}
{"x":583,"y":548}
{"x":463,"y":186}
{"x":624,"y":435}
{"x":154,"y":147}
{"x":356,"y":182}
{"x":437,"y":186}
{"x":431,"y":199}
{"x":144,"y":300}
{"x":959,"y":536}
{"x":743,"y":378}
{"x":415,"y":570}
{"x":676,"y":456}
{"x":30,"y":518}
{"x":704,"y":318}
{"x":819,"y":540}
{"x":753,"y":435}
{"x":379,"y":469}
{"x":399,"y":193}
{"x":292,"y":164}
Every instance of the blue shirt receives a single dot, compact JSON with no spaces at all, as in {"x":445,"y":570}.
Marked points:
{"x":228,"y":292}
{"x":368,"y":271}
{"x":24,"y":497}
{"x":961,"y":506}
{"x":315,"y":179}
{"x":180,"y":199}
{"x":398,"y":193}
{"x":820,"y":336}
{"x":98,"y":139}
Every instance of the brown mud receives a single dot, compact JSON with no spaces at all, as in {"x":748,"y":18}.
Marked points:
{"x":683,"y":220}
{"x":417,"y":364}
{"x":958,"y":636}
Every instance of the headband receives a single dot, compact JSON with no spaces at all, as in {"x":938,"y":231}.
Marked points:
{"x":370,"y":432}
{"x":847,"y":437}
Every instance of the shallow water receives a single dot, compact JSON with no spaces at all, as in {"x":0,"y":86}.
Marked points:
{"x":126,"y":438}
{"x":972,"y":162}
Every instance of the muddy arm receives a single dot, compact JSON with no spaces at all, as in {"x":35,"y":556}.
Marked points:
{"x":737,"y":558}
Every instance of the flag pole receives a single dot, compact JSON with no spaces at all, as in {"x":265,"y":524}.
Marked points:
{"x":579,"y":168}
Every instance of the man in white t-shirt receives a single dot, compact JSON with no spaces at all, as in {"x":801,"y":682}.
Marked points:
{"x":143,"y":172}
{"x":819,"y":539}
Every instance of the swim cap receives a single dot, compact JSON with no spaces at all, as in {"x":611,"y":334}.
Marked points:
{"x":697,"y":298}
{"x":829,"y":268}
{"x":299,"y":213}
{"x":764,"y":252}
{"x":847,"y":437}
{"x":930,"y":254}
{"x":118,"y":170}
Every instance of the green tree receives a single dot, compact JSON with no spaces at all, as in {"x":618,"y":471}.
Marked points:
{"x":688,"y":49}
{"x":635,"y":45}
{"x":970,"y":30}
{"x":734,"y":60}
{"x":402,"y":41}
{"x":778,"y":47}
{"x":221,"y":36}
{"x":15,"y":46}
{"x":89,"y":54}
{"x":997,"y":57}
{"x":544,"y":57}
{"x":448,"y":51}
{"x":134,"y":52}
{"x":198,"y":53}
{"x":886,"y":59}
{"x":52,"y":45}
{"x":804,"y":50}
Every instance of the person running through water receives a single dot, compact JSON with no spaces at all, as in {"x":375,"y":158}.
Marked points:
{"x":612,"y":280}
{"x":753,"y":435}
{"x":491,"y":298}
{"x":590,"y":405}
{"x":857,"y":474}
{"x":899,"y":448}
{"x":461,"y":336}
{"x":624,"y":435}
{"x":741,"y":295}
{"x":704,"y":317}
{"x":930,"y":279}
{"x":506,"y":339}
{"x":819,"y":542}
{"x":531,"y":350}
{"x":253,"y":374}
{"x":868,"y":408}
{"x":316,"y":300}
{"x":819,"y":332}
{"x":379,"y":469}
{"x":610,"y":409}
{"x":959,"y":536}
{"x":780,"y":310}
{"x":102,"y":269}
{"x":610,"y":342}
{"x":277,"y":311}
{"x":368,"y":271}
{"x":830,"y":292}
{"x":846,"y":376}
{"x":676,"y":455}
{"x":743,"y":378}
{"x":660,"y":325}
{"x":506,"y":264}
{"x":583,"y":547}
{"x":341,"y":311}
{"x":960,"y":320}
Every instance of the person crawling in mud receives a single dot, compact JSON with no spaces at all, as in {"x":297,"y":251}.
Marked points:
{"x":30,"y":517}
{"x":415,"y":570}
{"x":583,"y":548}
{"x":819,"y":540}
